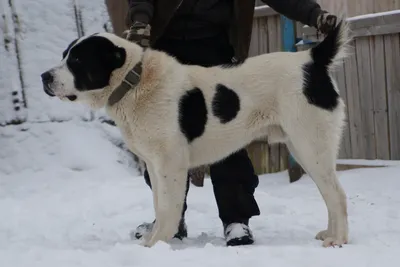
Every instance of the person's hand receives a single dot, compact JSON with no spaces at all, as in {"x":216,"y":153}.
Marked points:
{"x":326,"y":22}
{"x":138,"y":33}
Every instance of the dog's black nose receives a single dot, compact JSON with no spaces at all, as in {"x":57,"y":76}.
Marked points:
{"x":47,"y":77}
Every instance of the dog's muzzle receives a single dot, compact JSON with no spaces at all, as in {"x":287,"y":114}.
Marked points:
{"x":47,"y":79}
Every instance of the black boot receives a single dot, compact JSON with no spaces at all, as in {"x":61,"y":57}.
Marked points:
{"x":238,"y":234}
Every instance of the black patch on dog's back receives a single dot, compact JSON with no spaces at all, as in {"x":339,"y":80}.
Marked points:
{"x":192,"y":114}
{"x":225,"y":104}
{"x":318,"y":87}
{"x":92,"y":61}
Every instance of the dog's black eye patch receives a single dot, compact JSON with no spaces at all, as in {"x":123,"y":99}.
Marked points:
{"x":92,"y":60}
{"x":65,"y":53}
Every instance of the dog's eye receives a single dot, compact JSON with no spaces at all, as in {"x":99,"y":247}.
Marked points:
{"x":75,"y":60}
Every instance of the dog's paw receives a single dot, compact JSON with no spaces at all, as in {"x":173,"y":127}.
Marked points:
{"x":154,"y":236}
{"x":324,"y":234}
{"x":329,"y":240}
{"x":146,"y":243}
{"x":149,"y":240}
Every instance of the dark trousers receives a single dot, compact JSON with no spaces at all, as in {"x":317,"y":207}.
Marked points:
{"x":234,"y":180}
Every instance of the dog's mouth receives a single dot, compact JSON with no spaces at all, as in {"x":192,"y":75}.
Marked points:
{"x":48,"y":91}
{"x":71,"y":97}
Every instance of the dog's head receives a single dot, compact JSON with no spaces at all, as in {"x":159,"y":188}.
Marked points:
{"x":87,"y":67}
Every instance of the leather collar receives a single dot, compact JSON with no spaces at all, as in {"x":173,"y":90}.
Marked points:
{"x":131,"y":79}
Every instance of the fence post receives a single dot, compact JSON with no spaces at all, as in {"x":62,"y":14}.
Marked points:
{"x":288,"y":34}
{"x":289,"y":44}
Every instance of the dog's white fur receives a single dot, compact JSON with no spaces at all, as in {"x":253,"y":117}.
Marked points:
{"x":271,"y":104}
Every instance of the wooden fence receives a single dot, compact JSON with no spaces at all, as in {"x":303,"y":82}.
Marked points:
{"x":369,"y":82}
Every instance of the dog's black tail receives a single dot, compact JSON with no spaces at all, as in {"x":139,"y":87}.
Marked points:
{"x":318,"y":86}
{"x":333,"y":48}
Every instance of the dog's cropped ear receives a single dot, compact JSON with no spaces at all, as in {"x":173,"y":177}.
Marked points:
{"x":116,"y":58}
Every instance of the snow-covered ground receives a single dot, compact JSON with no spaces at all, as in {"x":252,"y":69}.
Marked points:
{"x":69,"y":197}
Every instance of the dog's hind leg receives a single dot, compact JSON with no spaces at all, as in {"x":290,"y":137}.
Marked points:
{"x":325,"y":233}
{"x":171,"y":189}
{"x":317,"y":155}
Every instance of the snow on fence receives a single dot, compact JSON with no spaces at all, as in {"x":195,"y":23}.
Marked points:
{"x":369,"y":82}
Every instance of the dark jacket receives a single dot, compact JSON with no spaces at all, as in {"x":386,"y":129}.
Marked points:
{"x":159,"y":12}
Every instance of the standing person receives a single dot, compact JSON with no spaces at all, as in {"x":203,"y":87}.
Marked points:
{"x":209,"y":33}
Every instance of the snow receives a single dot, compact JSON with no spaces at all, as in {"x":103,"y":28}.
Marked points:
{"x":365,"y":162}
{"x":47,"y":27}
{"x":374,"y":15}
{"x":70,"y":197}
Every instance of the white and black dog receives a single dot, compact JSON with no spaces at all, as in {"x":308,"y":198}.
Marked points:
{"x":176,"y":117}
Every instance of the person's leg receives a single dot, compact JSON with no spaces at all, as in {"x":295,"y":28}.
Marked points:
{"x":234,"y":182}
{"x":146,"y":227}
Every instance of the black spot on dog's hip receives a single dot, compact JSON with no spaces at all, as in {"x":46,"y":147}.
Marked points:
{"x":225,"y":104}
{"x":192,"y":114}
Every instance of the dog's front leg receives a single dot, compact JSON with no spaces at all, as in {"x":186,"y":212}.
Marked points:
{"x":171,"y":188}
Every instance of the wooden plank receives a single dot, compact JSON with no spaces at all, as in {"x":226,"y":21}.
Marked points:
{"x":264,"y":11}
{"x":378,"y":82}
{"x":283,"y":151}
{"x":376,"y":30}
{"x":116,"y":12}
{"x":385,"y":5}
{"x":17,"y":48}
{"x":353,"y":99}
{"x":263,"y":38}
{"x":310,"y":33}
{"x":279,"y":33}
{"x":366,"y":98}
{"x":377,"y":19}
{"x":392,"y":55}
{"x":345,"y":148}
{"x":12,"y":109}
{"x":273,"y":34}
{"x":363,"y":7}
{"x":283,"y":155}
{"x":352,"y":8}
{"x":274,"y":149}
{"x":258,"y":153}
{"x":253,"y":49}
